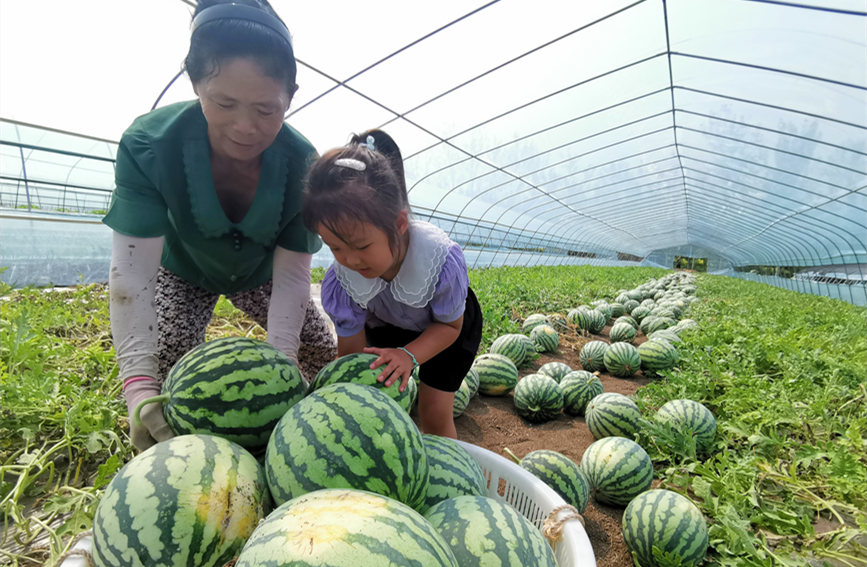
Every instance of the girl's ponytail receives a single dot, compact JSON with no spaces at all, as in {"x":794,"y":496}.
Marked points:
{"x":385,"y":145}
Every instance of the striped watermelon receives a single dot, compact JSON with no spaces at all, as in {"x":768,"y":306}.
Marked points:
{"x":484,"y":531}
{"x":592,"y":355}
{"x":462,"y":399}
{"x":555,"y":370}
{"x":622,"y":360}
{"x":657,"y":355}
{"x":685,"y":324}
{"x":356,"y":368}
{"x":618,"y":470}
{"x":514,"y":346}
{"x":617,"y":309}
{"x":598,"y":320}
{"x":651,"y":323}
{"x":538,"y":398}
{"x":666,"y":335}
{"x":233,"y":387}
{"x":345,"y":528}
{"x":560,"y":473}
{"x":612,"y":415}
{"x":472,"y":380}
{"x":497,"y":374}
{"x":639,"y":313}
{"x":579,"y":387}
{"x":578,"y":317}
{"x":533,"y":321}
{"x":191,"y":500}
{"x":621,"y":332}
{"x":627,"y":319}
{"x":629,"y":305}
{"x":604,"y":307}
{"x":691,"y":417}
{"x":453,"y":471}
{"x":545,"y":338}
{"x":668,"y":522}
{"x":347,"y":435}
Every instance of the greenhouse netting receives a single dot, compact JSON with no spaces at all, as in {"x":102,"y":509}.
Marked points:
{"x":727,"y":136}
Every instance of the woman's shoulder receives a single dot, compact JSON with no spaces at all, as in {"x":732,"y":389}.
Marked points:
{"x":170,"y":121}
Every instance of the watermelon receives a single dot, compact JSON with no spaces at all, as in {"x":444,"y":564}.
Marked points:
{"x":598,"y":320}
{"x":617,"y":309}
{"x":513,"y":346}
{"x":190,"y":500}
{"x":629,"y":305}
{"x":657,"y":355}
{"x":484,"y":531}
{"x":651,"y":323}
{"x":604,"y":307}
{"x":560,"y":473}
{"x":538,"y":398}
{"x":577,"y":317}
{"x":579,"y":387}
{"x":612,"y":415}
{"x":621,"y":332}
{"x":356,"y":368}
{"x":618,"y":470}
{"x":685,"y":324}
{"x":533,"y":321}
{"x":663,"y":523}
{"x":453,"y":471}
{"x":665,"y":335}
{"x":592,"y":355}
{"x":545,"y":338}
{"x":462,"y":399}
{"x":555,"y":370}
{"x":347,"y":435}
{"x":233,"y":387}
{"x":345,"y":528}
{"x":628,"y":320}
{"x":640,"y":312}
{"x":472,"y":380}
{"x":691,"y":417}
{"x":622,"y":360}
{"x":497,"y":374}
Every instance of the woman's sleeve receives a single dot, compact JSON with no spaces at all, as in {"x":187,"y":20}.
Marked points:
{"x":450,"y":295}
{"x":132,"y":288}
{"x":348,"y":316}
{"x":137,"y":208}
{"x":290,"y":292}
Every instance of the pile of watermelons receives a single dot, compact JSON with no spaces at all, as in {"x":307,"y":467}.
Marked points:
{"x":658,"y":525}
{"x":268,"y":471}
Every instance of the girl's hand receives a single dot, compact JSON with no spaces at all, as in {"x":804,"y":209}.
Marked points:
{"x":398,"y":365}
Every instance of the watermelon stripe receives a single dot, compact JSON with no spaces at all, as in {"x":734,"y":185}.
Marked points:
{"x":453,"y":472}
{"x":618,"y":469}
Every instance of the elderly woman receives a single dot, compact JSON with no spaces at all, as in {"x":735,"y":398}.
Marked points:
{"x":208,"y":203}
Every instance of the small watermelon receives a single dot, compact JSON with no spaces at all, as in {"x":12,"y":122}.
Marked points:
{"x":663,"y":523}
{"x":513,"y":346}
{"x":453,"y":471}
{"x":618,"y":470}
{"x":560,"y":473}
{"x":622,"y":332}
{"x":533,"y":321}
{"x":345,"y":528}
{"x":497,"y":374}
{"x":622,"y":360}
{"x":356,"y":368}
{"x":555,"y":370}
{"x":579,"y":387}
{"x":235,"y":387}
{"x":190,"y":500}
{"x":545,"y":338}
{"x":612,"y":415}
{"x":692,"y":418}
{"x":592,"y":356}
{"x":650,"y":324}
{"x":347,"y":435}
{"x":598,"y":320}
{"x":538,"y":398}
{"x":627,"y":319}
{"x":484,"y":531}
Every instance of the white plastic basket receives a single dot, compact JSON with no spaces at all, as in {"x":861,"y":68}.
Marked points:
{"x":531,"y":497}
{"x":534,"y":500}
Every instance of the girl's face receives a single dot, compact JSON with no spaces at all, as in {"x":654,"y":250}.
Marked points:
{"x":366,"y":249}
{"x":244,"y":109}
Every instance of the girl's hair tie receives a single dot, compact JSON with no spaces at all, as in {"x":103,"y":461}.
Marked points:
{"x":351,"y":163}
{"x":369,"y":143}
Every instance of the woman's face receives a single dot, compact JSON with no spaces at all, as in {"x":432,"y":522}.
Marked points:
{"x":244,"y":109}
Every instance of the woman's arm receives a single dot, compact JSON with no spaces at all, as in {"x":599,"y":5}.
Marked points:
{"x":290,"y":293}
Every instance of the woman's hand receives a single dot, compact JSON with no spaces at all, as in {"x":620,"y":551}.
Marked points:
{"x":153,"y":427}
{"x":398,"y":365}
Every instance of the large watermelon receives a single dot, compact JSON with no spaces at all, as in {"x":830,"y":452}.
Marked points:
{"x":191,"y":500}
{"x":453,"y":471}
{"x":484,"y":531}
{"x":497,"y":374}
{"x":622,"y":360}
{"x":691,"y":417}
{"x":533,"y":321}
{"x":592,"y":355}
{"x":612,"y":415}
{"x":560,"y":473}
{"x":545,"y":338}
{"x":356,"y":368}
{"x":233,"y":387}
{"x":555,"y":370}
{"x":538,"y":398}
{"x":618,"y":470}
{"x":622,"y":332}
{"x":345,"y":528}
{"x":657,"y":355}
{"x":347,"y":436}
{"x":579,"y":387}
{"x":598,"y":320}
{"x":514,"y":346}
{"x":668,"y":522}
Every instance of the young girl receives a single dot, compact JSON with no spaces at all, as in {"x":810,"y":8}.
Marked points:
{"x":399,"y":287}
